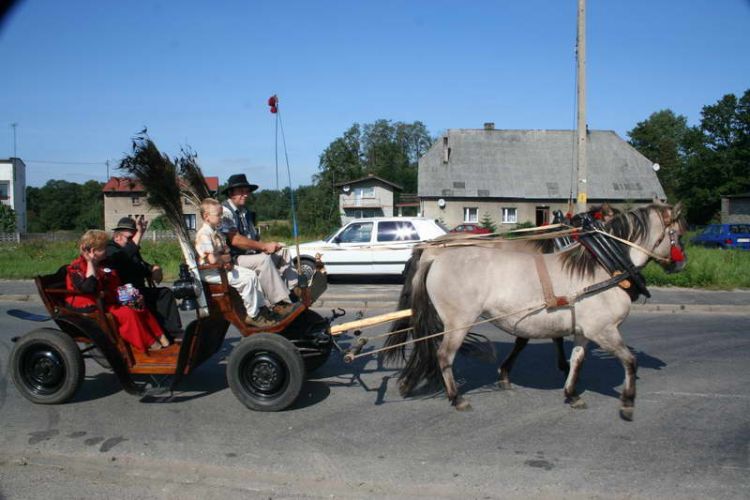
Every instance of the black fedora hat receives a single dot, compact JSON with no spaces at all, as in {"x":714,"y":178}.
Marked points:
{"x":238,"y":181}
{"x":126,"y":224}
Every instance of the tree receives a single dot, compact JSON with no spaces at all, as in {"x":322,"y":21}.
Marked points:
{"x":487,"y":222}
{"x":7,"y":219}
{"x":383,"y":148}
{"x":718,"y":160}
{"x":661,"y":138}
{"x":700,"y":164}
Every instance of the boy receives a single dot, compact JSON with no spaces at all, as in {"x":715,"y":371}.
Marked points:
{"x":212,"y":249}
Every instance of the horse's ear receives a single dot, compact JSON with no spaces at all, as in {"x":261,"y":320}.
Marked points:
{"x":667,"y":214}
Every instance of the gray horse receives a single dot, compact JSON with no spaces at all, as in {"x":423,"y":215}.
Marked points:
{"x":453,"y":286}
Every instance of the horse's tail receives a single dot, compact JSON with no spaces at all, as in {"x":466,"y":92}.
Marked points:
{"x":422,"y":363}
{"x":401,"y":326}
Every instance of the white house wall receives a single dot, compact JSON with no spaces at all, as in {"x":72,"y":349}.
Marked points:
{"x":13,"y":172}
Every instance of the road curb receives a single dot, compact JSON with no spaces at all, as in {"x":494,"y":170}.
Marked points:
{"x":355,"y":303}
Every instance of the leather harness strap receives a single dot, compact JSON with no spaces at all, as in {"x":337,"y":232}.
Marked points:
{"x":550,"y":299}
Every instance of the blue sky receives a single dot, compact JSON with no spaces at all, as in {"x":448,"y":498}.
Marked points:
{"x":80,"y":78}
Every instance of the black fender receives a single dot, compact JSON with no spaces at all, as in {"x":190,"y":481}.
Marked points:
{"x":203,"y":338}
{"x":85,"y":327}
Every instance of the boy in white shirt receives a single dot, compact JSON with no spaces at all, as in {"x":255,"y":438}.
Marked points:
{"x":212,"y":249}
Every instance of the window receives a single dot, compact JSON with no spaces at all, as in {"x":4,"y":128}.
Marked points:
{"x":397,"y":231}
{"x":510,"y":215}
{"x":136,"y":200}
{"x":471,"y":214}
{"x":190,"y":221}
{"x":356,"y":233}
{"x":364,"y":192}
{"x":4,"y":193}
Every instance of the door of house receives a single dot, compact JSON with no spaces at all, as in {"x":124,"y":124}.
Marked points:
{"x":542,"y":216}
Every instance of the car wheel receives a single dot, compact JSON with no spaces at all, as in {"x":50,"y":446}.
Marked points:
{"x":266,"y":372}
{"x":46,"y":366}
{"x":307,"y":267}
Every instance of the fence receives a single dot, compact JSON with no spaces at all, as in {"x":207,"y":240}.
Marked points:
{"x":6,"y":238}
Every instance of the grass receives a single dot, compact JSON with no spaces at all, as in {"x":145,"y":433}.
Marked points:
{"x":706,"y":268}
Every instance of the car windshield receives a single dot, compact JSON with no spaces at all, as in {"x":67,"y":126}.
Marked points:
{"x":356,"y":232}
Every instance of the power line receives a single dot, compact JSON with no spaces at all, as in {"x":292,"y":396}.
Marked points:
{"x":54,"y":162}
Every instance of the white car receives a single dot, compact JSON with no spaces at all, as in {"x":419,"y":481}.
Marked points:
{"x":376,"y":245}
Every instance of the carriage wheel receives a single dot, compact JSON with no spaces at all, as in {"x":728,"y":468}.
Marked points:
{"x":46,"y":366}
{"x":307,"y":267}
{"x":265,"y":372}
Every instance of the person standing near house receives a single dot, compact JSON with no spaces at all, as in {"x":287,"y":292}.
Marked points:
{"x":124,"y":255}
{"x":269,"y":259}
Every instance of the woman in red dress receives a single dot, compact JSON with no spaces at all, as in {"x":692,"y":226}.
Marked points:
{"x":88,"y":277}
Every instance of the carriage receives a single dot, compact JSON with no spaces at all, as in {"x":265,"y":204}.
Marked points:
{"x":267,"y":369}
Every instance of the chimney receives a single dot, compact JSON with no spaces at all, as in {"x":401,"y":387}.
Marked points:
{"x":489,"y":125}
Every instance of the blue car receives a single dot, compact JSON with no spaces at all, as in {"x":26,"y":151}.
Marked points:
{"x":725,"y":236}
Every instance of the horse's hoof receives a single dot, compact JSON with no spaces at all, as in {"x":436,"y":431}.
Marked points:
{"x":504,"y":384}
{"x":463,"y":405}
{"x":576,"y":403}
{"x":626,"y":413}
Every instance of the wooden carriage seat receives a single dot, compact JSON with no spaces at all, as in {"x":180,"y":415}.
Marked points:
{"x":224,"y":300}
{"x":53,"y":292}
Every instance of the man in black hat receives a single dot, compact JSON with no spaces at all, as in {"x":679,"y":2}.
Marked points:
{"x":124,"y":256}
{"x":269,"y":259}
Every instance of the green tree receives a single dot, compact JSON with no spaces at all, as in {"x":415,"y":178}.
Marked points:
{"x":661,"y":138}
{"x":383,"y":148}
{"x":718,"y":161}
{"x":487,"y":222}
{"x":91,"y":206}
{"x":7,"y":219}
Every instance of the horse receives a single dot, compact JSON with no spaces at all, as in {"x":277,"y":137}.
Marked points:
{"x":455,"y":285}
{"x":544,"y":243}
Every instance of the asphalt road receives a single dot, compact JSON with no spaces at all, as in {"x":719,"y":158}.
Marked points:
{"x":351,"y":435}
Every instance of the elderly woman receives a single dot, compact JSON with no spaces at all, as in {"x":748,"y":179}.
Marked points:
{"x":88,"y":277}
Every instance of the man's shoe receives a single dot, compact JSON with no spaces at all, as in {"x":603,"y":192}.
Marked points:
{"x":260,"y":321}
{"x":284,"y":309}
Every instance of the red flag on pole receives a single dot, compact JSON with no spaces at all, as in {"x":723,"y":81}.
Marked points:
{"x":273,"y":102}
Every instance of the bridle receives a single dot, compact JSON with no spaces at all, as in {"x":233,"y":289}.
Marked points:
{"x":675,"y":251}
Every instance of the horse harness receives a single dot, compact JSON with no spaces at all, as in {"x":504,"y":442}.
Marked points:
{"x":610,"y":252}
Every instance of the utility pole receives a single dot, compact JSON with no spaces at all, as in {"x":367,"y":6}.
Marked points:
{"x":581,"y":132}
{"x":13,"y":126}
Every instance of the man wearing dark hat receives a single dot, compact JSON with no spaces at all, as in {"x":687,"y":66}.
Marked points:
{"x":269,"y":259}
{"x":124,"y":256}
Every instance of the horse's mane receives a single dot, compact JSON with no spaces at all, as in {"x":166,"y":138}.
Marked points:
{"x":631,"y":225}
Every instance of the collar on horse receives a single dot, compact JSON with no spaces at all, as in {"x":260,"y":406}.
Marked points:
{"x":613,"y":257}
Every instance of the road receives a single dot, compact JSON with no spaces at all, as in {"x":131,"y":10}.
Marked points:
{"x":351,"y":435}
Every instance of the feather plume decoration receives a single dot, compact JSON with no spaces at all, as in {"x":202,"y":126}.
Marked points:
{"x":158,"y":176}
{"x":193,"y":183}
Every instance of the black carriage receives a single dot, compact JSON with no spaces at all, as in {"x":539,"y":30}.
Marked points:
{"x":265,"y":371}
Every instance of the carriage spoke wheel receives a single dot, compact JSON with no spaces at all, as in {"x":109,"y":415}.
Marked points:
{"x":266,"y":372}
{"x":263,"y":374}
{"x":46,"y":366}
{"x":43,"y":370}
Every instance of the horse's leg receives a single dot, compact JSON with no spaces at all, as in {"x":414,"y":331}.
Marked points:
{"x":507,"y":366}
{"x":576,"y":360}
{"x":562,"y":362}
{"x":449,"y":346}
{"x":612,"y":342}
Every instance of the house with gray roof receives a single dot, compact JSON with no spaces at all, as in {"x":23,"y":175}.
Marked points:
{"x":516,"y":176}
{"x":369,"y":196}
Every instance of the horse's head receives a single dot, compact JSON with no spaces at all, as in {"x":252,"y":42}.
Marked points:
{"x":668,"y":245}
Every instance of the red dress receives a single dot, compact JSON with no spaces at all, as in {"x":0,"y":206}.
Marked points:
{"x":138,"y":327}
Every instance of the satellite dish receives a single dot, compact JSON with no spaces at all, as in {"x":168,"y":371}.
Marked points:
{"x":441,"y":203}
{"x":656,"y":167}
{"x":347,"y":189}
